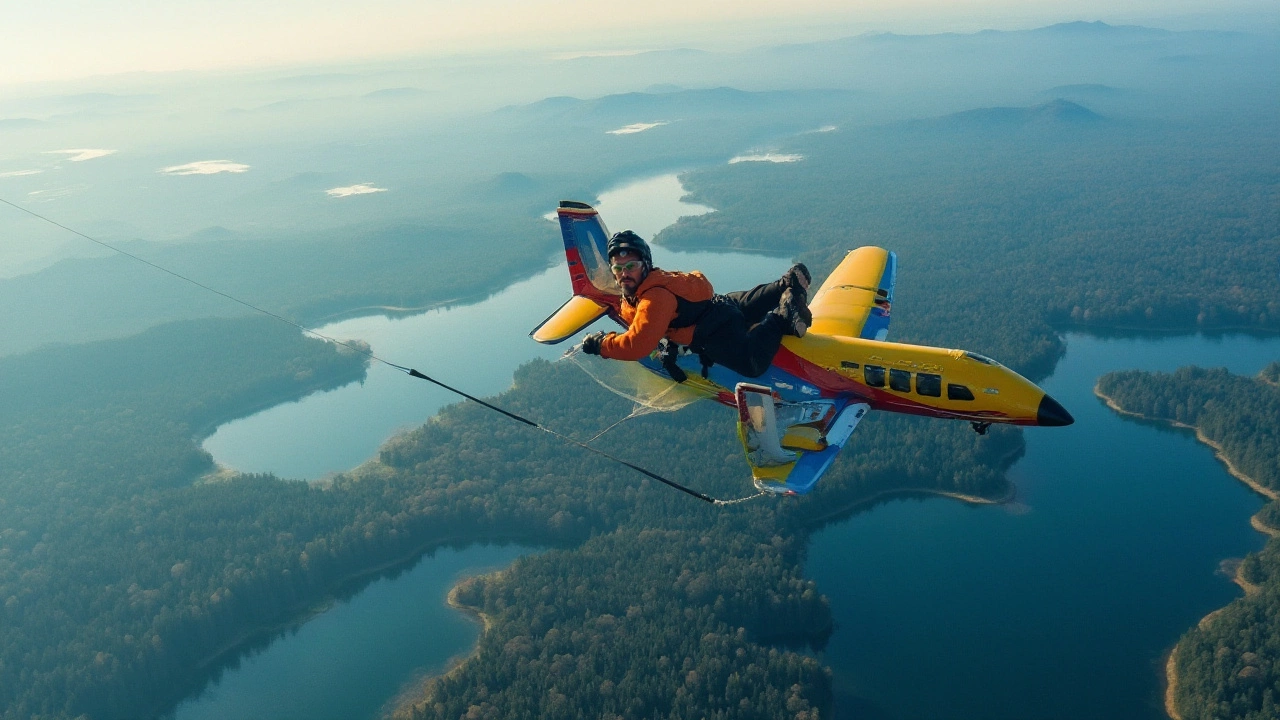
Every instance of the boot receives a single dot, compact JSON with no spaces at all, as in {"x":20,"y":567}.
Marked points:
{"x":798,"y":280}
{"x":795,"y":316}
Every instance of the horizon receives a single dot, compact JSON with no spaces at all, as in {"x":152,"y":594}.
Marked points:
{"x":65,"y":42}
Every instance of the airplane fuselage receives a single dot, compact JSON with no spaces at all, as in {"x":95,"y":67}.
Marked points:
{"x":894,"y":377}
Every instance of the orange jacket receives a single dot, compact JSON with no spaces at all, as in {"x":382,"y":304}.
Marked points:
{"x":650,"y":314}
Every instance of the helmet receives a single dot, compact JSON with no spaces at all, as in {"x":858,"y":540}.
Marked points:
{"x":628,"y":241}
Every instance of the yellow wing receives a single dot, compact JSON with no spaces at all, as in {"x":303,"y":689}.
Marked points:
{"x":855,"y":299}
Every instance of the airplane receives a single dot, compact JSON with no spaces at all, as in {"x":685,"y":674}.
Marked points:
{"x":794,"y":419}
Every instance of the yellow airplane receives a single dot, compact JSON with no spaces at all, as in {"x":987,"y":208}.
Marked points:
{"x":794,"y":419}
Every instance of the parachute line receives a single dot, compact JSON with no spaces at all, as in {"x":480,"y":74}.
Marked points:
{"x":369,"y":353}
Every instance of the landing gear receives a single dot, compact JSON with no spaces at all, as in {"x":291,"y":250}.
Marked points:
{"x":980,"y":427}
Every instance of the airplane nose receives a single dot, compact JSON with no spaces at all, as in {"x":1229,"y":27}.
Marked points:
{"x":1052,"y":414}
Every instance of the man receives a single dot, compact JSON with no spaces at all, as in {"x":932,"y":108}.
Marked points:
{"x":741,"y":330}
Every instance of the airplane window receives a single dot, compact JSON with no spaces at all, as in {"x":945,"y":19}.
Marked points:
{"x":900,"y":380}
{"x":958,"y":392}
{"x":874,"y":375}
{"x":929,"y":384}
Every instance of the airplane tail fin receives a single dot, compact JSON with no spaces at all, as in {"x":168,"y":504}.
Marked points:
{"x":594,"y":290}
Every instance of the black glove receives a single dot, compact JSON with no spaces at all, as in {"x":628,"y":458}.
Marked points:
{"x":591,"y":343}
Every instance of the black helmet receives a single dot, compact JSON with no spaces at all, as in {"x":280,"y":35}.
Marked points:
{"x":629,"y":241}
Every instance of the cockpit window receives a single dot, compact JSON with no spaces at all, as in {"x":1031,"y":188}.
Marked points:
{"x":958,"y":392}
{"x":929,"y":385}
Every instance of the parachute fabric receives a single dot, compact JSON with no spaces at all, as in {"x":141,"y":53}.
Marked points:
{"x":648,"y":393}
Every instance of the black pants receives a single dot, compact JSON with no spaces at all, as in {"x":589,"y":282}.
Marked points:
{"x":739,"y":331}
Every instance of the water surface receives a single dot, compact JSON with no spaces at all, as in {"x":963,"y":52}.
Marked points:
{"x":350,"y":660}
{"x":1064,"y":604}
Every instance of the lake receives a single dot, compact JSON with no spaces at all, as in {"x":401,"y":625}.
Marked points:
{"x":1064,"y":603}
{"x":351,"y":660}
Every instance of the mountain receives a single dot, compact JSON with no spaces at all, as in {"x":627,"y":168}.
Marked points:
{"x":672,"y":105}
{"x":1056,"y":113}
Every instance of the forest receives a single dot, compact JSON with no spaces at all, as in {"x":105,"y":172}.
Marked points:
{"x":126,"y":578}
{"x":116,"y":588}
{"x":1008,"y":234}
{"x":1228,"y":666}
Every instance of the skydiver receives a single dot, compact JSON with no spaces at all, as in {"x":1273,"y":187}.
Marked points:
{"x":741,"y":330}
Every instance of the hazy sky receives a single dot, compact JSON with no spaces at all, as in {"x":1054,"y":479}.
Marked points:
{"x":63,"y":39}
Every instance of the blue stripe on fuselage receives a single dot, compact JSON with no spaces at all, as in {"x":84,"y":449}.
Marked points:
{"x":788,"y":387}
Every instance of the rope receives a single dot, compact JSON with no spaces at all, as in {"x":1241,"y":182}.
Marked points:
{"x":407,"y":370}
{"x":721,"y":503}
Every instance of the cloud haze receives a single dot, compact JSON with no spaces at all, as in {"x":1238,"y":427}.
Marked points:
{"x":767,"y":157}
{"x":205,"y":167}
{"x":82,"y":154}
{"x":634,"y":128}
{"x":357,"y":189}
{"x":61,"y":39}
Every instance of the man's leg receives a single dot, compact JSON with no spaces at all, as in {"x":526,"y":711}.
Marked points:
{"x":759,"y":300}
{"x":748,"y":352}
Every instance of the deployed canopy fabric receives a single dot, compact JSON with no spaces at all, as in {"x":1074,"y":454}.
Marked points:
{"x":648,"y":393}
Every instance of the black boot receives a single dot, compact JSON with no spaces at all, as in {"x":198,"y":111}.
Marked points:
{"x":798,"y":280}
{"x":795,"y":316}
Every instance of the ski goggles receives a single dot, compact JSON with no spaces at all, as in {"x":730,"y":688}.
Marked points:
{"x":626,"y":267}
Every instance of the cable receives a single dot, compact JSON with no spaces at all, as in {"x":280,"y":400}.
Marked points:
{"x":369,"y":353}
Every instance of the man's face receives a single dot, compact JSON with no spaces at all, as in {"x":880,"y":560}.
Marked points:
{"x":628,"y":270}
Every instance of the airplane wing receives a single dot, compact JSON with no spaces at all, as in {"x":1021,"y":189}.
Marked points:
{"x":855,"y":299}
{"x":790,"y":445}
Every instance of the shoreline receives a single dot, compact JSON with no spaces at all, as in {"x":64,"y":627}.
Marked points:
{"x":1171,"y":683}
{"x":1008,"y":497}
{"x":1171,"y":663}
{"x":321,"y":605}
{"x":1217,"y":448}
{"x":410,"y":701}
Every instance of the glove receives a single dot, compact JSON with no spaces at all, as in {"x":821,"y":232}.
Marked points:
{"x":591,"y":343}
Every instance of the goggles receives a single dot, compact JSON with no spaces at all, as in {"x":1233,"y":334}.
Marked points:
{"x":626,"y":267}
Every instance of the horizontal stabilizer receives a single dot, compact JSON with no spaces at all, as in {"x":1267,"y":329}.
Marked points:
{"x":574,"y":315}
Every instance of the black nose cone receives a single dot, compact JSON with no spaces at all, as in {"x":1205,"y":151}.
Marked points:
{"x":1051,"y":414}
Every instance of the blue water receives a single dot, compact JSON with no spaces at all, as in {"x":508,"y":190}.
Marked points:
{"x":1065,"y":603}
{"x":352,"y":659}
